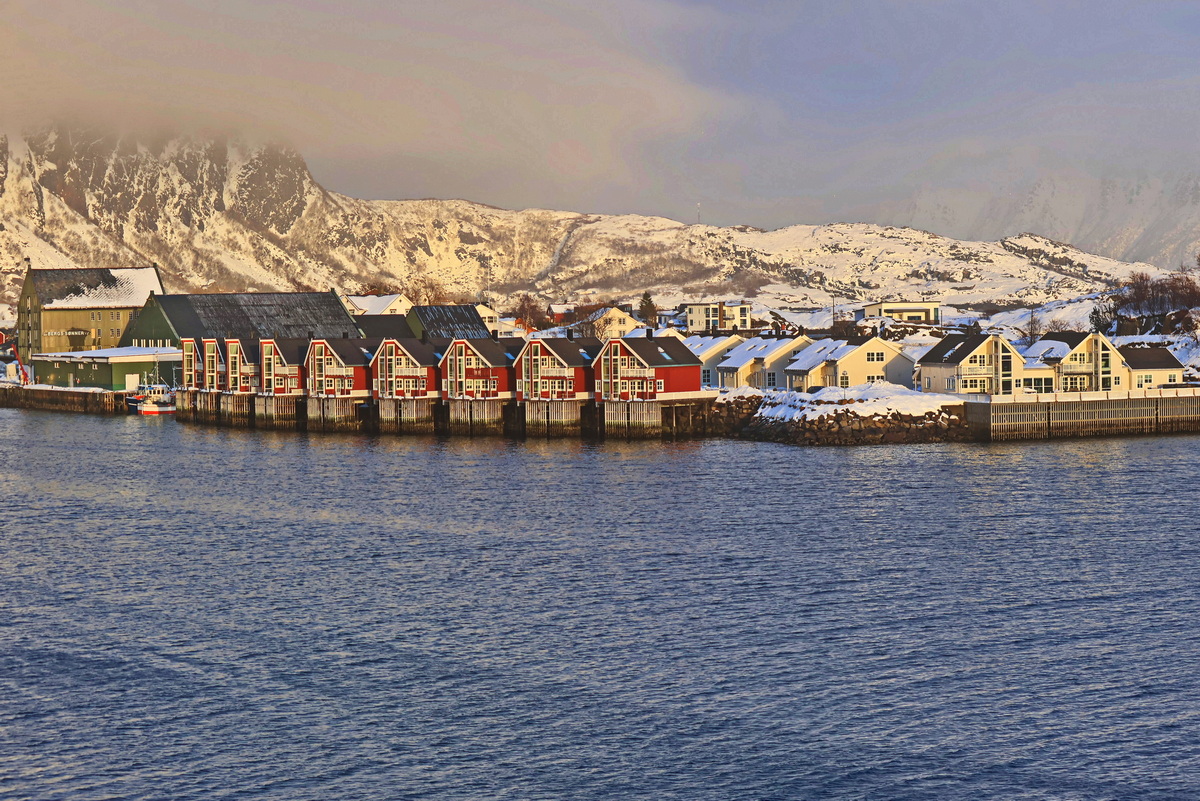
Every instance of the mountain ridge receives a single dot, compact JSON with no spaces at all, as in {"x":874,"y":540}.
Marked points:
{"x":223,"y":214}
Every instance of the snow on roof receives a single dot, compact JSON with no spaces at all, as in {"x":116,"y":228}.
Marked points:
{"x":700,"y":344}
{"x":755,"y":348}
{"x":96,"y":287}
{"x":818,"y":353}
{"x":1037,"y":353}
{"x":373,"y":304}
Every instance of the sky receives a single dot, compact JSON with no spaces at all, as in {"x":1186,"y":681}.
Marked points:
{"x":760,"y":113}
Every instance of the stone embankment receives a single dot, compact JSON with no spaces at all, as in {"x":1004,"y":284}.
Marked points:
{"x":844,"y":424}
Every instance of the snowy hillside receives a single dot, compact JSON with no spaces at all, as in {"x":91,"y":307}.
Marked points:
{"x":221,"y":215}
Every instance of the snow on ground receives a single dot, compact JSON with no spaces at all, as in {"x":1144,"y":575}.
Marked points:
{"x":1074,"y":314}
{"x":866,"y":400}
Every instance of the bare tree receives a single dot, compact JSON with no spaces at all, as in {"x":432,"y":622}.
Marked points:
{"x":1033,"y":329}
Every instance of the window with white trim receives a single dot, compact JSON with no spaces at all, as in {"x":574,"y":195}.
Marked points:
{"x":874,"y":355}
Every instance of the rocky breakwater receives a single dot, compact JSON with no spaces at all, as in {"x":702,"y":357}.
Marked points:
{"x":733,"y":411}
{"x":870,"y":414}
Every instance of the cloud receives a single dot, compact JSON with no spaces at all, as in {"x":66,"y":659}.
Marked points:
{"x":515,"y":104}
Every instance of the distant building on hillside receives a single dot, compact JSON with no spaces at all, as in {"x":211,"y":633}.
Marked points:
{"x":903,"y":311}
{"x":80,"y":309}
{"x":720,"y":315}
{"x":377,"y":304}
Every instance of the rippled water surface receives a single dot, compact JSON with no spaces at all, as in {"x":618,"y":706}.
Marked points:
{"x":190,"y":613}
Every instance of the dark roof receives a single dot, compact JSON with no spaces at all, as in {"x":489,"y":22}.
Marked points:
{"x":953,"y":348}
{"x":453,"y":322}
{"x":662,"y":351}
{"x":1149,"y":358}
{"x":426,"y":354}
{"x":292,"y":350}
{"x":254,"y":315}
{"x":497,"y":353}
{"x":384,"y":326}
{"x":575,"y":352}
{"x":1072,"y":338}
{"x":353,"y":352}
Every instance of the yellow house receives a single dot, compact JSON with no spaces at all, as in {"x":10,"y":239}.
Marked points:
{"x":849,"y":362}
{"x":711,"y":351}
{"x":759,"y":362}
{"x":973,"y":363}
{"x":1151,"y":367}
{"x":85,"y":309}
{"x":1077,"y":362}
{"x":609,"y":323}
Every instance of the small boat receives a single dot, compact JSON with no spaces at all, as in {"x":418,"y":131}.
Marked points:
{"x":156,"y":399}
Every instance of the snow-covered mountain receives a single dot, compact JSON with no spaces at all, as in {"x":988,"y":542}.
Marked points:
{"x":1152,"y":217}
{"x":225,"y":215}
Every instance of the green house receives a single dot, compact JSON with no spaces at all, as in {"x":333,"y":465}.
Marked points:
{"x":116,"y":369}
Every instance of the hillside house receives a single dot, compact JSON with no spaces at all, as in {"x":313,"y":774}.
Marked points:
{"x":406,"y":368}
{"x":975,"y":363}
{"x":720,"y":315}
{"x":608,"y":323}
{"x":759,"y":362}
{"x":371,"y":305}
{"x":480,"y":368}
{"x":711,"y":350}
{"x":644,"y":368}
{"x":849,"y":362}
{"x":75,"y":310}
{"x":903,"y":311}
{"x":558,"y":368}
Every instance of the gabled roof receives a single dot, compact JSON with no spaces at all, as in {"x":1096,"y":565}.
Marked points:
{"x":291,"y":350}
{"x":254,"y":315}
{"x":496,"y":353}
{"x":451,"y":322}
{"x":954,"y":348}
{"x":383,"y":326}
{"x":1046,"y":352}
{"x":576,"y":352}
{"x":757,"y":348}
{"x":373,"y":304}
{"x":826,"y":350}
{"x":357,"y":352}
{"x":1149,"y":358}
{"x":702,"y":344}
{"x":426,"y":354}
{"x":99,"y":287}
{"x":1072,"y":338}
{"x":662,"y":351}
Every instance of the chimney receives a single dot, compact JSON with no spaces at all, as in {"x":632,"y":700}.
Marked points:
{"x":424,"y":337}
{"x":345,"y":335}
{"x":496,"y":335}
{"x":310,"y":335}
{"x":649,"y":333}
{"x":570,"y":334}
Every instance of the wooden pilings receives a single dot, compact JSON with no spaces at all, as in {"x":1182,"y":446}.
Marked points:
{"x":65,"y":400}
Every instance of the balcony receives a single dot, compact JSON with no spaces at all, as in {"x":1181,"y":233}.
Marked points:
{"x":555,"y":372}
{"x":977,"y":369}
{"x":625,"y":373}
